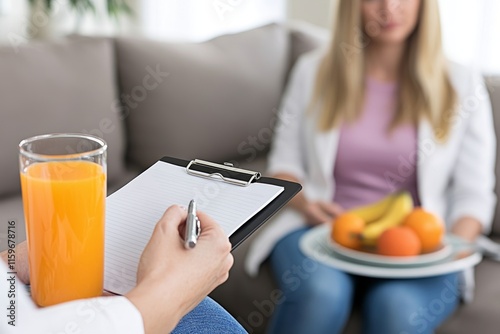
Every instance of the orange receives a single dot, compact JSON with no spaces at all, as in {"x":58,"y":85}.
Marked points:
{"x":428,"y":226}
{"x":346,"y":230}
{"x":399,"y":241}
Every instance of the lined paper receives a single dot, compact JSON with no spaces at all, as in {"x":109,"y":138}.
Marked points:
{"x":133,"y":211}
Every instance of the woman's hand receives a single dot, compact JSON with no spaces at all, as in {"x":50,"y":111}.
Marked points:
{"x":315,"y":212}
{"x":172,"y":280}
{"x":467,"y":228}
{"x":320,"y":212}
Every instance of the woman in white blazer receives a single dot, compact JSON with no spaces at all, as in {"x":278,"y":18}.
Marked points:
{"x":437,"y":142}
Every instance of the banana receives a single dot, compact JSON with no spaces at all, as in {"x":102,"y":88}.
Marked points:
{"x":375,"y":211}
{"x":400,"y":207}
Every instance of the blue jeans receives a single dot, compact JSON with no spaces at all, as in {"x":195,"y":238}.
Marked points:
{"x":208,"y":318}
{"x":318,"y":298}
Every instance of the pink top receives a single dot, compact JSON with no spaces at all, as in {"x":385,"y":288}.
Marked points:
{"x":371,"y":161}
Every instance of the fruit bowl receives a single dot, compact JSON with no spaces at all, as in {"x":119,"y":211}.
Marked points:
{"x":377,"y":259}
{"x":400,"y":232}
{"x":315,"y":244}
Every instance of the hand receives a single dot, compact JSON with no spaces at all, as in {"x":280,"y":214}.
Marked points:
{"x":315,"y":213}
{"x":320,"y":212}
{"x":172,"y":280}
{"x":467,"y":228}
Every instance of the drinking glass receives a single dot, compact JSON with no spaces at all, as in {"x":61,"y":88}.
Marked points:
{"x":63,"y":181}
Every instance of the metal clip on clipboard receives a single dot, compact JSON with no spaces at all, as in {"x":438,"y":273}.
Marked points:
{"x":226,"y":172}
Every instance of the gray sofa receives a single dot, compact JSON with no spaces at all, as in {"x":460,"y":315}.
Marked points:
{"x":215,"y":100}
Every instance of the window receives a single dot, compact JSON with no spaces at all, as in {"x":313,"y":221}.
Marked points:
{"x":197,"y":20}
{"x":471,"y":33}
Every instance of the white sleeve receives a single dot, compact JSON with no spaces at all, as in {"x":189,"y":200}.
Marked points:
{"x":106,"y":315}
{"x":473,"y":179}
{"x":287,"y":151}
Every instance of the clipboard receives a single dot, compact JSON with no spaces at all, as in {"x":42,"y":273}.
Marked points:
{"x":133,"y":210}
{"x":240,"y":177}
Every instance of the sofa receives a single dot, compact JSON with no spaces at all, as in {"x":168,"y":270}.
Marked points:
{"x":215,"y":100}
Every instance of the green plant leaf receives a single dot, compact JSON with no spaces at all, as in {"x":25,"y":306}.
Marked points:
{"x":47,"y":3}
{"x":89,"y":5}
{"x":115,"y":8}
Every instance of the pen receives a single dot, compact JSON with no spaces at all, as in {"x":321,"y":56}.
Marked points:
{"x":192,"y":226}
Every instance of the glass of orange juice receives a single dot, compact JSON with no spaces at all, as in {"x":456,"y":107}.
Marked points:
{"x":63,"y":180}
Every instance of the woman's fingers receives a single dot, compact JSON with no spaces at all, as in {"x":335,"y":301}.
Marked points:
{"x":322,"y":212}
{"x":173,"y":217}
{"x":207,"y":223}
{"x":317,"y":215}
{"x":332,"y":209}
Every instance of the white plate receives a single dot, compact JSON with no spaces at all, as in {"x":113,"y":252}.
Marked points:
{"x":376,"y":259}
{"x":315,"y":245}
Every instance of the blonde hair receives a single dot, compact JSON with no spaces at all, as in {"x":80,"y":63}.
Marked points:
{"x":425,"y":89}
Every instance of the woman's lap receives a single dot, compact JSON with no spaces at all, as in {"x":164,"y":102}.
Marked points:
{"x":320,"y":298}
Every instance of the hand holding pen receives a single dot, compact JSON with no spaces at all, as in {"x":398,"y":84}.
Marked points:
{"x":166,"y":266}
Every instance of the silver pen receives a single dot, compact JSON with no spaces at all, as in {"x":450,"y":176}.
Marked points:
{"x":192,"y":226}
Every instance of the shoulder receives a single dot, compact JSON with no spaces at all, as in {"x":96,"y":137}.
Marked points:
{"x":302,"y":78}
{"x":466,"y":81}
{"x":308,"y":63}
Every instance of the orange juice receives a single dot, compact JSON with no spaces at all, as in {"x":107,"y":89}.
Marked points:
{"x":64,"y":205}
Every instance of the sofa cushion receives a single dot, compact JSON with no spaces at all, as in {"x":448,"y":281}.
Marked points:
{"x":223,"y":90}
{"x":493,"y":84}
{"x":63,"y":86}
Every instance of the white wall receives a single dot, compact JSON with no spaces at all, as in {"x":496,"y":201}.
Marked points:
{"x":471,"y":34}
{"x":317,"y":12}
{"x":12,"y":16}
{"x":196,"y":20}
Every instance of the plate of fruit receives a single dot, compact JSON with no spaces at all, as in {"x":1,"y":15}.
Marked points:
{"x":390,"y":232}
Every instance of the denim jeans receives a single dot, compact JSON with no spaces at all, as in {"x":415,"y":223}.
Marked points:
{"x":208,"y":318}
{"x":318,"y":298}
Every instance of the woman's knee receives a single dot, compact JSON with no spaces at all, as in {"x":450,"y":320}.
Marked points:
{"x":416,"y":305}
{"x":301,"y":277}
{"x":391,"y":298}
{"x":405,"y":294}
{"x":312,"y":283}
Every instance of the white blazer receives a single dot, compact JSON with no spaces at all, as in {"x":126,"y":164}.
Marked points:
{"x":453,"y":179}
{"x":101,"y":315}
